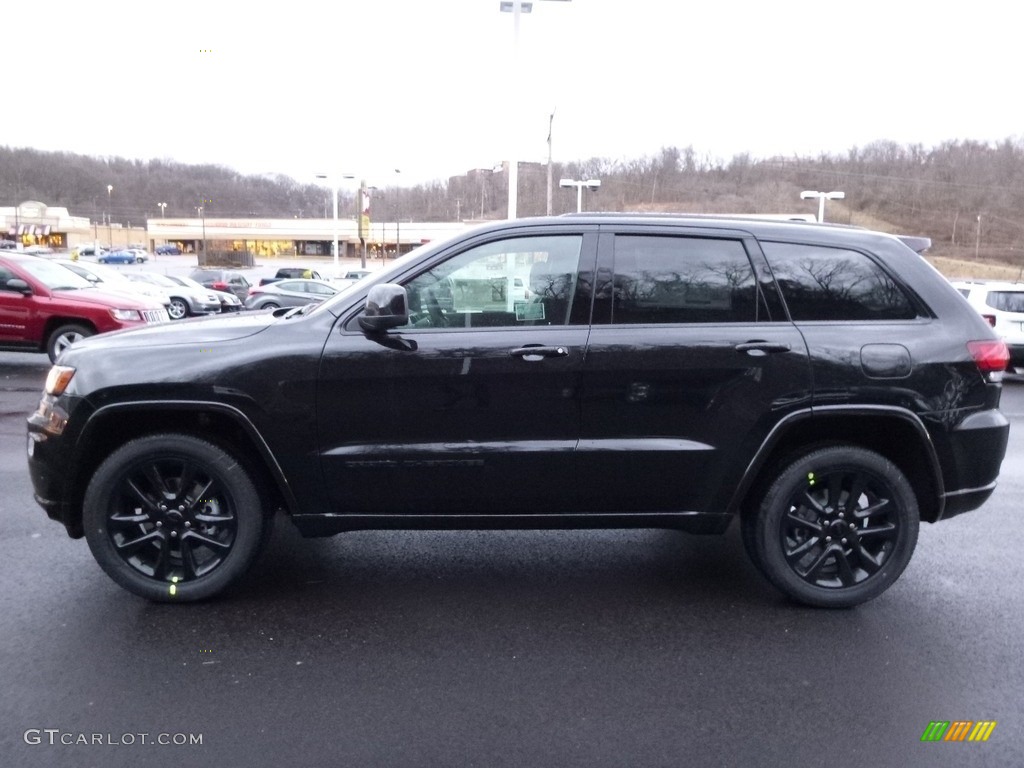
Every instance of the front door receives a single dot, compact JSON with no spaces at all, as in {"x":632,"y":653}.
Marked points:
{"x":474,"y":405}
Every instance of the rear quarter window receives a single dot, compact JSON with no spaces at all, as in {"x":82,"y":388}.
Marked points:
{"x":824,"y":283}
{"x":1006,"y":301}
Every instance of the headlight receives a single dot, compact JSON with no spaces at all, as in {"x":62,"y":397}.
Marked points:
{"x":125,"y":314}
{"x":57,"y":379}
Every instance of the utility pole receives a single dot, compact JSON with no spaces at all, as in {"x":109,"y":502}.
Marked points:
{"x":551,"y":121}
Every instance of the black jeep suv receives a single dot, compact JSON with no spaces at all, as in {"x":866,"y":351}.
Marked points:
{"x":823,"y":384}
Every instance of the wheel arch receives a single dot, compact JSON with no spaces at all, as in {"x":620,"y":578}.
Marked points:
{"x":55,"y":322}
{"x":112,"y":426}
{"x":895,"y":433}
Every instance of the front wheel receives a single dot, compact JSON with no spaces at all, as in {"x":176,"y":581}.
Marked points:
{"x":835,"y":528}
{"x":178,"y":309}
{"x":173,"y":518}
{"x":64,"y":336}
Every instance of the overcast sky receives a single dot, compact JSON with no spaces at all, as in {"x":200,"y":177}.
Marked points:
{"x":428,"y":86}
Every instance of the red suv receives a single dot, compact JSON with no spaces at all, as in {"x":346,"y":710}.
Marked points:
{"x":47,"y":307}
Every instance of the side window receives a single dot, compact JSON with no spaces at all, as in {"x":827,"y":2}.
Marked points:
{"x":821,"y":283}
{"x":508,"y":283}
{"x":664,"y":279}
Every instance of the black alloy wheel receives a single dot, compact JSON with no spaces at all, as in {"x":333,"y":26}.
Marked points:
{"x":173,"y":518}
{"x":836,"y":528}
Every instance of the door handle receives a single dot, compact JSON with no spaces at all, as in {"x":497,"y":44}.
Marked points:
{"x":538,"y":352}
{"x":760,"y":348}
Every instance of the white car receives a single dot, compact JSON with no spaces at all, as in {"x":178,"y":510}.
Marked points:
{"x":110,"y":279}
{"x":1002,"y":305}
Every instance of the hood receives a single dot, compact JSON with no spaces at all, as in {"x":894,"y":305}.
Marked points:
{"x":107,"y":298}
{"x":198,"y":330}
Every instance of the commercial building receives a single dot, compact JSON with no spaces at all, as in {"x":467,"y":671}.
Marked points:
{"x":33,"y":223}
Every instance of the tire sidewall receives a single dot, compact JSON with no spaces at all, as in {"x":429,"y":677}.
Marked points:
{"x":770,"y":557}
{"x":233,"y":481}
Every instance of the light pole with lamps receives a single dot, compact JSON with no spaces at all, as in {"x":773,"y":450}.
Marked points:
{"x":516,"y":8}
{"x":589,"y":184}
{"x":822,"y":197}
{"x":163,"y":209}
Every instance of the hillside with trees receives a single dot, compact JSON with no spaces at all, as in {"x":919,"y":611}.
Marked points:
{"x":967,"y":196}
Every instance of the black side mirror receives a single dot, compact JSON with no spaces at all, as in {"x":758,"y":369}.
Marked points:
{"x":18,"y":285}
{"x":387,"y":306}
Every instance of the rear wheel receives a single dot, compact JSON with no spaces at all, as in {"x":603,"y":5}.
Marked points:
{"x":173,"y":518}
{"x":270,"y":305}
{"x":64,"y":336}
{"x":835,"y":528}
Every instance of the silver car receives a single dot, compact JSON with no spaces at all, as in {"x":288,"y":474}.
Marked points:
{"x":185,"y":300}
{"x":289,"y":293}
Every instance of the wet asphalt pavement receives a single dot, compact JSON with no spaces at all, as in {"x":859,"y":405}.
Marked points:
{"x":578,"y":648}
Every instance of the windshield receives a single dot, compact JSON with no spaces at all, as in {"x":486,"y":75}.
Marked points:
{"x":152,"y":277}
{"x":187,"y":281}
{"x":54,"y":276}
{"x":99,"y":272}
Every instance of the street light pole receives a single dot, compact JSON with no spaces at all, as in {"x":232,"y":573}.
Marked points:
{"x":398,"y":222}
{"x":163,"y":209}
{"x":334,"y":190}
{"x":821,"y":197}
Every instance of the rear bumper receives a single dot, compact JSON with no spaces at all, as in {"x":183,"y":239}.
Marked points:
{"x":978,"y":445}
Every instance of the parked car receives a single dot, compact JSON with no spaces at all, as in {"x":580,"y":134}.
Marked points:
{"x":167,"y":250}
{"x":185,"y":300}
{"x":230,"y":280}
{"x":109,"y":279}
{"x":1002,"y":306}
{"x":228,"y":301}
{"x":87,"y":252}
{"x":45,"y":307}
{"x":8,"y":245}
{"x":120,"y":257}
{"x":140,"y":253}
{"x":286,"y":272}
{"x":288,"y":293}
{"x":38,"y":250}
{"x":350,"y":277}
{"x":822,"y":386}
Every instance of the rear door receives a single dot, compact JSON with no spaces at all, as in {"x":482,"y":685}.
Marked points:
{"x":691,"y":362}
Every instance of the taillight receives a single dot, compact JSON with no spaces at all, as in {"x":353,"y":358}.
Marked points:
{"x":991,"y":356}
{"x":990,"y":319}
{"x":219,"y":286}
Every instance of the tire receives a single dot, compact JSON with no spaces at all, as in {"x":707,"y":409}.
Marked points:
{"x":64,"y":336}
{"x":139,"y":260}
{"x":821,"y":550}
{"x":270,"y":305}
{"x":178,"y":309}
{"x":173,"y":518}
